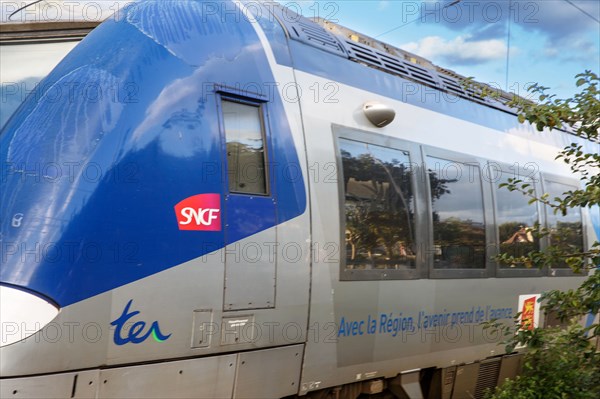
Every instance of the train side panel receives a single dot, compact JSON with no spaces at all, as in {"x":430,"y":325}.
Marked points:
{"x":364,"y":329}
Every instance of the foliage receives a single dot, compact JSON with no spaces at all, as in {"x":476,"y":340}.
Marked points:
{"x":378,"y":209}
{"x":561,"y":361}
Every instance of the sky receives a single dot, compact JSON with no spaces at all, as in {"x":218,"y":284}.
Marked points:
{"x":550,"y":41}
{"x":545,"y":41}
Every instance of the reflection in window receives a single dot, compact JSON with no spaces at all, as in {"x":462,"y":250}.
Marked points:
{"x":379,"y":207}
{"x":514,"y":215}
{"x":22,"y":67}
{"x":245,"y":148}
{"x":458,"y":219}
{"x":565,"y":231}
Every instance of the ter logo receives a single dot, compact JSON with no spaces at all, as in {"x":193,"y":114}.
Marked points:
{"x":200,"y":212}
{"x":136,"y":333}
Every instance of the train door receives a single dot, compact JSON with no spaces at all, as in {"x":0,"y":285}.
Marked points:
{"x":250,"y":263}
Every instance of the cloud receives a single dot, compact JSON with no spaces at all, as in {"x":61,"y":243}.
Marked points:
{"x":459,"y":51}
{"x":556,"y":20}
{"x":579,"y":50}
{"x":561,"y":21}
{"x":568,"y":31}
{"x":31,"y":61}
{"x":551,"y":52}
{"x":383,"y":4}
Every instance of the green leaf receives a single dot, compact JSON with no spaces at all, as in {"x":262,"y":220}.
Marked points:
{"x":561,"y":362}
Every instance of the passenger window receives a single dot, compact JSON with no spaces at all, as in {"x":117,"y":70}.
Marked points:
{"x":245,"y":147}
{"x":514,"y":214}
{"x":458,"y":215}
{"x":565,"y":231}
{"x":379,"y":207}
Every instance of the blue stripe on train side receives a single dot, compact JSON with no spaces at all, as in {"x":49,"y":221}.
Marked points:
{"x":120,"y":132}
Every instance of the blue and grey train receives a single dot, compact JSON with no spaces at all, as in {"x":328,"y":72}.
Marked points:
{"x":225,"y":199}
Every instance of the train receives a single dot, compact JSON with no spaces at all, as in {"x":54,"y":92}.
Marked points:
{"x":229,"y":200}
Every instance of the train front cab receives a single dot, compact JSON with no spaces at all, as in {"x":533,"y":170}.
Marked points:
{"x":160,"y":180}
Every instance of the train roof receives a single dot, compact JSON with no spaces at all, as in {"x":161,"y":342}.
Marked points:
{"x":360,"y":48}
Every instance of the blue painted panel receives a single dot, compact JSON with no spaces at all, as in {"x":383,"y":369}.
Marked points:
{"x":262,"y":13}
{"x":120,"y":132}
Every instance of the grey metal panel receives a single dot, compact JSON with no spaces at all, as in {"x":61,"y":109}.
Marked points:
{"x":238,"y":329}
{"x":464,"y":383}
{"x":203,"y":328}
{"x":488,"y":376}
{"x":411,"y":384}
{"x":392,"y":64}
{"x":210,"y":377}
{"x":250,"y":273}
{"x":271,"y":373}
{"x":198,"y":286}
{"x":510,"y":367}
{"x":50,"y":386}
{"x":86,"y":384}
{"x":306,"y":31}
{"x":76,"y":338}
{"x":393,"y":60}
{"x":447,"y":383}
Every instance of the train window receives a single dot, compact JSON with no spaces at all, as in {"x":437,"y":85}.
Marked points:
{"x":379,"y":209}
{"x":23,"y":66}
{"x":245,"y":147}
{"x":459,"y":239}
{"x":514,"y":214}
{"x":566,"y":231}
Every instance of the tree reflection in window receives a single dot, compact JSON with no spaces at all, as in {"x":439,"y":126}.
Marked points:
{"x":515,"y":217}
{"x":458,"y":219}
{"x":245,"y":148}
{"x":379,"y":207}
{"x":565,"y":231}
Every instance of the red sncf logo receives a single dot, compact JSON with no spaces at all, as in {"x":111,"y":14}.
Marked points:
{"x":199,"y":212}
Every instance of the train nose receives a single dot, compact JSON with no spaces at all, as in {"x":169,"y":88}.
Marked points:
{"x":22,"y":314}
